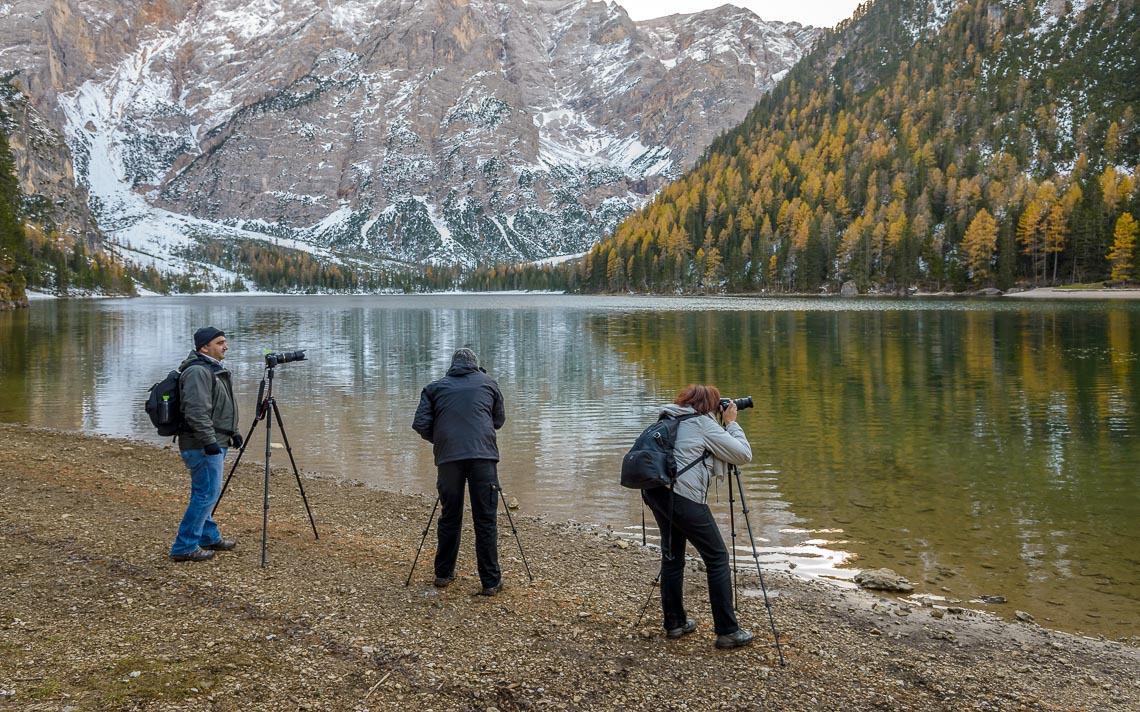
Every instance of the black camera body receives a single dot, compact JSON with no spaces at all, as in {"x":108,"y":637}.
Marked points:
{"x":272,"y":360}
{"x":741,"y":403}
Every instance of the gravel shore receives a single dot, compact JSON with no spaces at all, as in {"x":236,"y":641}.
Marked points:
{"x":94,"y":615}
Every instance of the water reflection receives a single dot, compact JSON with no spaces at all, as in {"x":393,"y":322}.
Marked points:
{"x":940,"y":442}
{"x":978,"y":448}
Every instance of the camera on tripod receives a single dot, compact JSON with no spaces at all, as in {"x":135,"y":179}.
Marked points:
{"x":272,"y":360}
{"x":741,"y":403}
{"x":267,"y":411}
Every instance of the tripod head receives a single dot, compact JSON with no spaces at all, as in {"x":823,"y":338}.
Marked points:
{"x":262,"y":399}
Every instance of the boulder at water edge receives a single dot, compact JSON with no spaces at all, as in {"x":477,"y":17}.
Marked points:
{"x":883,"y":580}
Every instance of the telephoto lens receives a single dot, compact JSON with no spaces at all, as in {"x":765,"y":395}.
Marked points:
{"x":741,"y":403}
{"x":272,"y":359}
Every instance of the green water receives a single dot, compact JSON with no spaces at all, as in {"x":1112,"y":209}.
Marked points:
{"x":978,"y":448}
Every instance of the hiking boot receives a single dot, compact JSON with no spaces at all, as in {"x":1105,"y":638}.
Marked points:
{"x":442,"y":581}
{"x":196,"y":555}
{"x":221,"y":545}
{"x":734,"y":640}
{"x":689,"y":626}
{"x":491,"y":590}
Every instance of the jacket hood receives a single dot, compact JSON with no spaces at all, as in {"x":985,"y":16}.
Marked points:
{"x":462,"y":369}
{"x":675,"y":410}
{"x":188,"y":360}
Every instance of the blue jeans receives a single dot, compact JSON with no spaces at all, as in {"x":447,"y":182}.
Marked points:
{"x":198,"y":527}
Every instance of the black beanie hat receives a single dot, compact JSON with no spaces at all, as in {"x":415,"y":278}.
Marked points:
{"x":205,"y":335}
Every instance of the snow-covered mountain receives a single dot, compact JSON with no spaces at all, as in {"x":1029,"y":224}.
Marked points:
{"x":415,"y":130}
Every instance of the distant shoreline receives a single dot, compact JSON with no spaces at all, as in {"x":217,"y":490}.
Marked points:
{"x":1055,"y":293}
{"x":1035,"y":293}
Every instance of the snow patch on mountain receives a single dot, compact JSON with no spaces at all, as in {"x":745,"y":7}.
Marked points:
{"x":102,"y":128}
{"x":931,"y":20}
{"x":567,"y":137}
{"x":940,"y":14}
{"x":1051,"y":14}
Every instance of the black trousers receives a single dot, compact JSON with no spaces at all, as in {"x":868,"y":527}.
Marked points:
{"x":482,"y":480}
{"x":691,"y":522}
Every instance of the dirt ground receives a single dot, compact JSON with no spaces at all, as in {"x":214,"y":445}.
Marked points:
{"x":94,"y":615}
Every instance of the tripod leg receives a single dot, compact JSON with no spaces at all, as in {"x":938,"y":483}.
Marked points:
{"x":265,"y":495}
{"x":233,"y":468}
{"x":427,"y":528}
{"x":652,"y":587}
{"x":296,"y":474}
{"x":756,"y":558}
{"x":732,"y":530}
{"x":513,"y":530}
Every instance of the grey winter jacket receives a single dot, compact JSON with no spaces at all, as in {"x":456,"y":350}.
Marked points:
{"x":728,"y":446}
{"x":209,"y":412}
{"x":459,"y":414}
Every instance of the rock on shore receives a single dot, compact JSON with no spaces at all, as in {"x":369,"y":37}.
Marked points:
{"x":94,"y":615}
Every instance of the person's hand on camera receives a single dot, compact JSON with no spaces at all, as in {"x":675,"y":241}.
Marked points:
{"x":729,"y":413}
{"x":213,"y":449}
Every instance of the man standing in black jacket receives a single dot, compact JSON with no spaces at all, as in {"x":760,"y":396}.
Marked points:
{"x":458,"y":415}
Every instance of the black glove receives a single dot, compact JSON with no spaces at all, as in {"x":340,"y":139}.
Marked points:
{"x":236,"y":441}
{"x":213,"y":449}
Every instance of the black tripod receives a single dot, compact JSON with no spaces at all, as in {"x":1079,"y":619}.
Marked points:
{"x":431,"y":517}
{"x":755,"y":556}
{"x":267,"y":410}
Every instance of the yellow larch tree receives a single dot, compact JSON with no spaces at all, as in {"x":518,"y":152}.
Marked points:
{"x":1123,"y":246}
{"x":980,"y":243}
{"x":1029,"y":235}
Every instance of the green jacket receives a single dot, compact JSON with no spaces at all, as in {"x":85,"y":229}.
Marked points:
{"x":209,"y":412}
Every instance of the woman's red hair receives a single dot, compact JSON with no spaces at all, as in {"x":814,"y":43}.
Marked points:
{"x":703,"y":399}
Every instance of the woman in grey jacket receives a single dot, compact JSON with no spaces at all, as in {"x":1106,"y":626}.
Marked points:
{"x":683,"y":516}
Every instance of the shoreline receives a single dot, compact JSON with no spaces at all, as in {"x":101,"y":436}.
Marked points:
{"x":1090,"y":294}
{"x":1055,"y":293}
{"x":85,"y":523}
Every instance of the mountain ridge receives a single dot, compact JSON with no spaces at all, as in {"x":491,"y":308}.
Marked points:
{"x":429,"y":132}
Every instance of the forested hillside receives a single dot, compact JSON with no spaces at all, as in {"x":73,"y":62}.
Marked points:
{"x":923,"y":143}
{"x":11,"y":232}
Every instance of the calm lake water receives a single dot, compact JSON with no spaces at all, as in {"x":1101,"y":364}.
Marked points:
{"x":977,"y":447}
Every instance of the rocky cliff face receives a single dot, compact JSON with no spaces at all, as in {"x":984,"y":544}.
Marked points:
{"x":414,"y":130}
{"x":53,"y":199}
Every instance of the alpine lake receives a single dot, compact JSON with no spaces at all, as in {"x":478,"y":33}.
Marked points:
{"x":981,"y":448}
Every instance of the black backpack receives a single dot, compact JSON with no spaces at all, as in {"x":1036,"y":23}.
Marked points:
{"x":650,"y":462}
{"x":164,"y":406}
